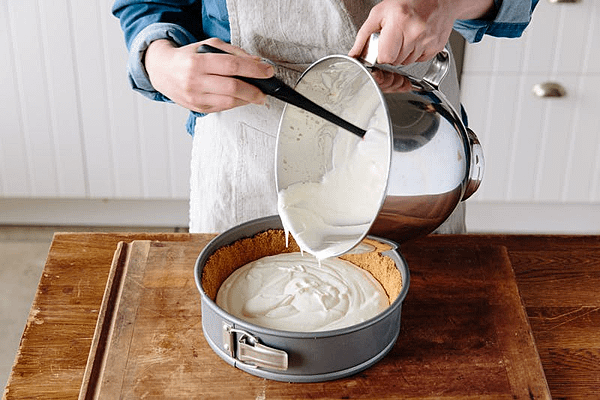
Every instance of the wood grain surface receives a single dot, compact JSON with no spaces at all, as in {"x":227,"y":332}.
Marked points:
{"x":56,"y":341}
{"x":559,"y":281}
{"x":466,"y":335}
{"x":556,"y":275}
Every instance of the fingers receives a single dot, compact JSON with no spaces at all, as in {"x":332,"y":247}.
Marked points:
{"x":228,"y":48}
{"x":403,"y":41}
{"x":413,"y":56}
{"x":371,"y":25}
{"x":225,"y":86}
{"x":212,"y":103}
{"x":213,"y":93}
{"x":409,"y":31}
{"x":393,"y":46}
{"x":230,"y":65}
{"x":236,"y":63}
{"x":206,"y":82}
{"x":398,"y":39}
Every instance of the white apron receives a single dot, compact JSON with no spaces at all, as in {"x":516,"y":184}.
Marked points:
{"x":233,"y":152}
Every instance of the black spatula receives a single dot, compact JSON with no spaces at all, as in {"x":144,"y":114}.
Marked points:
{"x":278,"y":89}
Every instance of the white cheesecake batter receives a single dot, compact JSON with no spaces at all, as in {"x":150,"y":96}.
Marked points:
{"x":299,"y":293}
{"x":329,"y":217}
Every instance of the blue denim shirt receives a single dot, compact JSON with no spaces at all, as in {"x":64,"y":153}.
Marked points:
{"x":189,"y":21}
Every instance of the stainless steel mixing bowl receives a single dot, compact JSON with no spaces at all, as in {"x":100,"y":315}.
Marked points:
{"x":434,"y":161}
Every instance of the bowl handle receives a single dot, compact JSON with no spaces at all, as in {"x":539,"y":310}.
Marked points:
{"x":434,"y":75}
{"x":476,"y":167}
{"x":438,"y":68}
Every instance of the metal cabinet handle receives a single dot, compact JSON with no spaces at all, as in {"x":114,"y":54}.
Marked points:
{"x":549,"y":89}
{"x":563,"y":1}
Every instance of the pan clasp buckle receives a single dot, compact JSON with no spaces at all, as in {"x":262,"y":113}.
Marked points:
{"x":247,"y":349}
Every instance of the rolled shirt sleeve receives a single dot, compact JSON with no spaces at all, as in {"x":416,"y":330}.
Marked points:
{"x":510,"y":21}
{"x":138,"y":77}
{"x":144,"y":21}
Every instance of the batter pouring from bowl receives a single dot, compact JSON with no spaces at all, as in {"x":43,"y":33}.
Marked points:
{"x":327,"y":218}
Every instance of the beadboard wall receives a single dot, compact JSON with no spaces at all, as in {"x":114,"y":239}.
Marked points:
{"x":78,"y":147}
{"x":71,"y":127}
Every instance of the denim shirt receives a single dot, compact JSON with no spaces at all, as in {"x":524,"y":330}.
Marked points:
{"x":189,"y":21}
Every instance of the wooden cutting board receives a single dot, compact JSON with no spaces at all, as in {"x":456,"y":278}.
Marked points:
{"x":464,"y":334}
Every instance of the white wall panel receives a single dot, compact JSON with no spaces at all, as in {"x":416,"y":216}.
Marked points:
{"x":14,"y":166}
{"x":71,"y":125}
{"x":122,"y":103}
{"x":91,"y":76}
{"x":526,"y":140}
{"x":480,"y":60}
{"x":510,"y":56}
{"x":62,"y":99}
{"x":493,"y":128}
{"x":555,"y":135}
{"x":180,"y":147}
{"x":591,"y":60}
{"x":572,"y":36}
{"x":542,"y":37}
{"x":31,"y":78}
{"x":155,"y":150}
{"x":583,"y":168}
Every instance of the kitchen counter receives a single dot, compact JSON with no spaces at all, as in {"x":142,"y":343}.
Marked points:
{"x":558,"y":278}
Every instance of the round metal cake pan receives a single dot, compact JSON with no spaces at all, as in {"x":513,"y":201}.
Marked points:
{"x":296,"y":356}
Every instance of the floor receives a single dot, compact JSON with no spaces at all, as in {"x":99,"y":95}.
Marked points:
{"x":23,"y":252}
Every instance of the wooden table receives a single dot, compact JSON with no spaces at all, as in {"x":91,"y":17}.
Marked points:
{"x":558,"y":278}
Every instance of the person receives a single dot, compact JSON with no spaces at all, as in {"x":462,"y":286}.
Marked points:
{"x":234,"y":125}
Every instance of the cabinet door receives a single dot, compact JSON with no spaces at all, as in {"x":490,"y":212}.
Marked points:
{"x":538,"y":149}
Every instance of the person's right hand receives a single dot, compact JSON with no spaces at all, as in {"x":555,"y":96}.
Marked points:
{"x":415,"y":30}
{"x":204,"y":82}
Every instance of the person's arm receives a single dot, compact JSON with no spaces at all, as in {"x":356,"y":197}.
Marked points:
{"x":163,"y":63}
{"x":179,"y":15}
{"x":509,"y":21}
{"x":416,"y":30}
{"x":143,"y":22}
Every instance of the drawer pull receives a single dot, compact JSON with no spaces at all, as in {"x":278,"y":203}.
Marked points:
{"x":549,"y":89}
{"x":563,"y":1}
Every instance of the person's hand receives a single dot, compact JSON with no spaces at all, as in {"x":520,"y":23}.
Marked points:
{"x":204,"y":82}
{"x":415,"y":30}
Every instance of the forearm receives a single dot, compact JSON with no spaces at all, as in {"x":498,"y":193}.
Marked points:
{"x":508,"y":19}
{"x":473,"y":9}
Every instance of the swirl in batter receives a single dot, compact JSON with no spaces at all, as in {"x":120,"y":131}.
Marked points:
{"x":298,"y":293}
